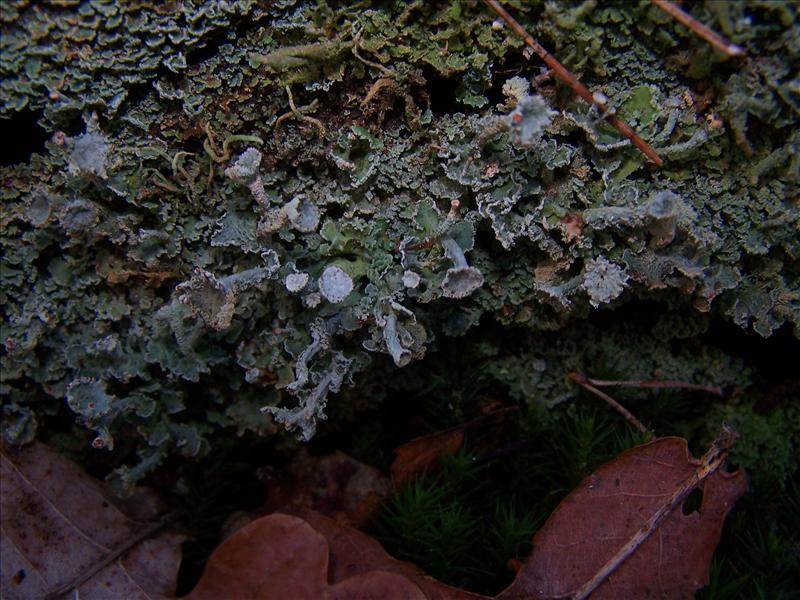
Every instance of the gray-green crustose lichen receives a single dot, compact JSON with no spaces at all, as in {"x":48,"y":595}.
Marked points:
{"x":275,"y":218}
{"x":68,"y":56}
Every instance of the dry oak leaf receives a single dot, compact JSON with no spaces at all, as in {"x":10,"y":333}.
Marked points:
{"x":605,"y":511}
{"x":281,"y":556}
{"x":336,"y":485}
{"x":284,"y":556}
{"x":62,"y":536}
{"x":422,"y":453}
{"x":427,"y":452}
{"x":354,"y":553}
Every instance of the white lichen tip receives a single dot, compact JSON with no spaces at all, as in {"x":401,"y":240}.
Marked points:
{"x":411,"y":280}
{"x":603,"y":280}
{"x":530,"y":117}
{"x":90,"y":151}
{"x":516,"y":88}
{"x":245,"y":169}
{"x":303,"y":214}
{"x":461,"y":280}
{"x":245,"y":172}
{"x":335,"y":284}
{"x":400,"y":355}
{"x":295,"y":282}
{"x":460,"y":283}
{"x":312,"y":300}
{"x":663,"y":211}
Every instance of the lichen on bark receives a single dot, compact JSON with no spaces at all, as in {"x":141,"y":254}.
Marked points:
{"x":138,"y":254}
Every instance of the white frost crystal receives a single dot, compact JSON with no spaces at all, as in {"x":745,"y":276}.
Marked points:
{"x":335,"y":284}
{"x":603,"y":280}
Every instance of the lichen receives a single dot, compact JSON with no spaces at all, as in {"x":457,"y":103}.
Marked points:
{"x":276,"y":204}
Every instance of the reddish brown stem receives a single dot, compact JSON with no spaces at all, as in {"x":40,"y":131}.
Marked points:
{"x":567,"y":77}
{"x":583,"y":381}
{"x":650,"y":383}
{"x":687,"y":20}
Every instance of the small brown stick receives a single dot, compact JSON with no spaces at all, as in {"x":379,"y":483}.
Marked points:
{"x":709,"y":464}
{"x":209,"y":145}
{"x":102,"y":563}
{"x":356,"y":45}
{"x":567,"y":77}
{"x":583,"y":381}
{"x":650,"y":383}
{"x":297,"y":113}
{"x":687,"y":20}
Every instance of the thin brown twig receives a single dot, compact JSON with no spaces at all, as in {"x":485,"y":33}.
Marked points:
{"x":650,"y":383}
{"x":567,"y":77}
{"x":101,"y":564}
{"x":387,"y":72}
{"x":583,"y":381}
{"x":709,"y":464}
{"x":297,"y":113}
{"x":687,"y":20}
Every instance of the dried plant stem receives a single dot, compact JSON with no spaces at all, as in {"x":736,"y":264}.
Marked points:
{"x":101,"y":564}
{"x":583,"y":381}
{"x":209,"y":146}
{"x":356,"y":45}
{"x":298,"y":113}
{"x":709,"y":464}
{"x":567,"y":77}
{"x":712,"y":37}
{"x":653,"y":383}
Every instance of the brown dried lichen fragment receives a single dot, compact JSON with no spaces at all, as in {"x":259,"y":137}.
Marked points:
{"x":573,"y":226}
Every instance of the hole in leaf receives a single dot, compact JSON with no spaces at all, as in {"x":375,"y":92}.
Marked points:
{"x":693,"y":502}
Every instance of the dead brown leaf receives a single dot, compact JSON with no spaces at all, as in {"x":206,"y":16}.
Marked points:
{"x":335,"y":485}
{"x":308,"y":556}
{"x":282,"y":556}
{"x":354,"y":553}
{"x":612,"y":506}
{"x":427,"y":452}
{"x":420,"y":454}
{"x":621,"y":534}
{"x":62,"y":535}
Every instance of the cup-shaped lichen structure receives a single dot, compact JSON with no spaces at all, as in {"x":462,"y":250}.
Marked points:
{"x":296,"y":282}
{"x":663,"y":211}
{"x":335,"y":284}
{"x":245,"y":172}
{"x":400,"y":355}
{"x":460,"y":280}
